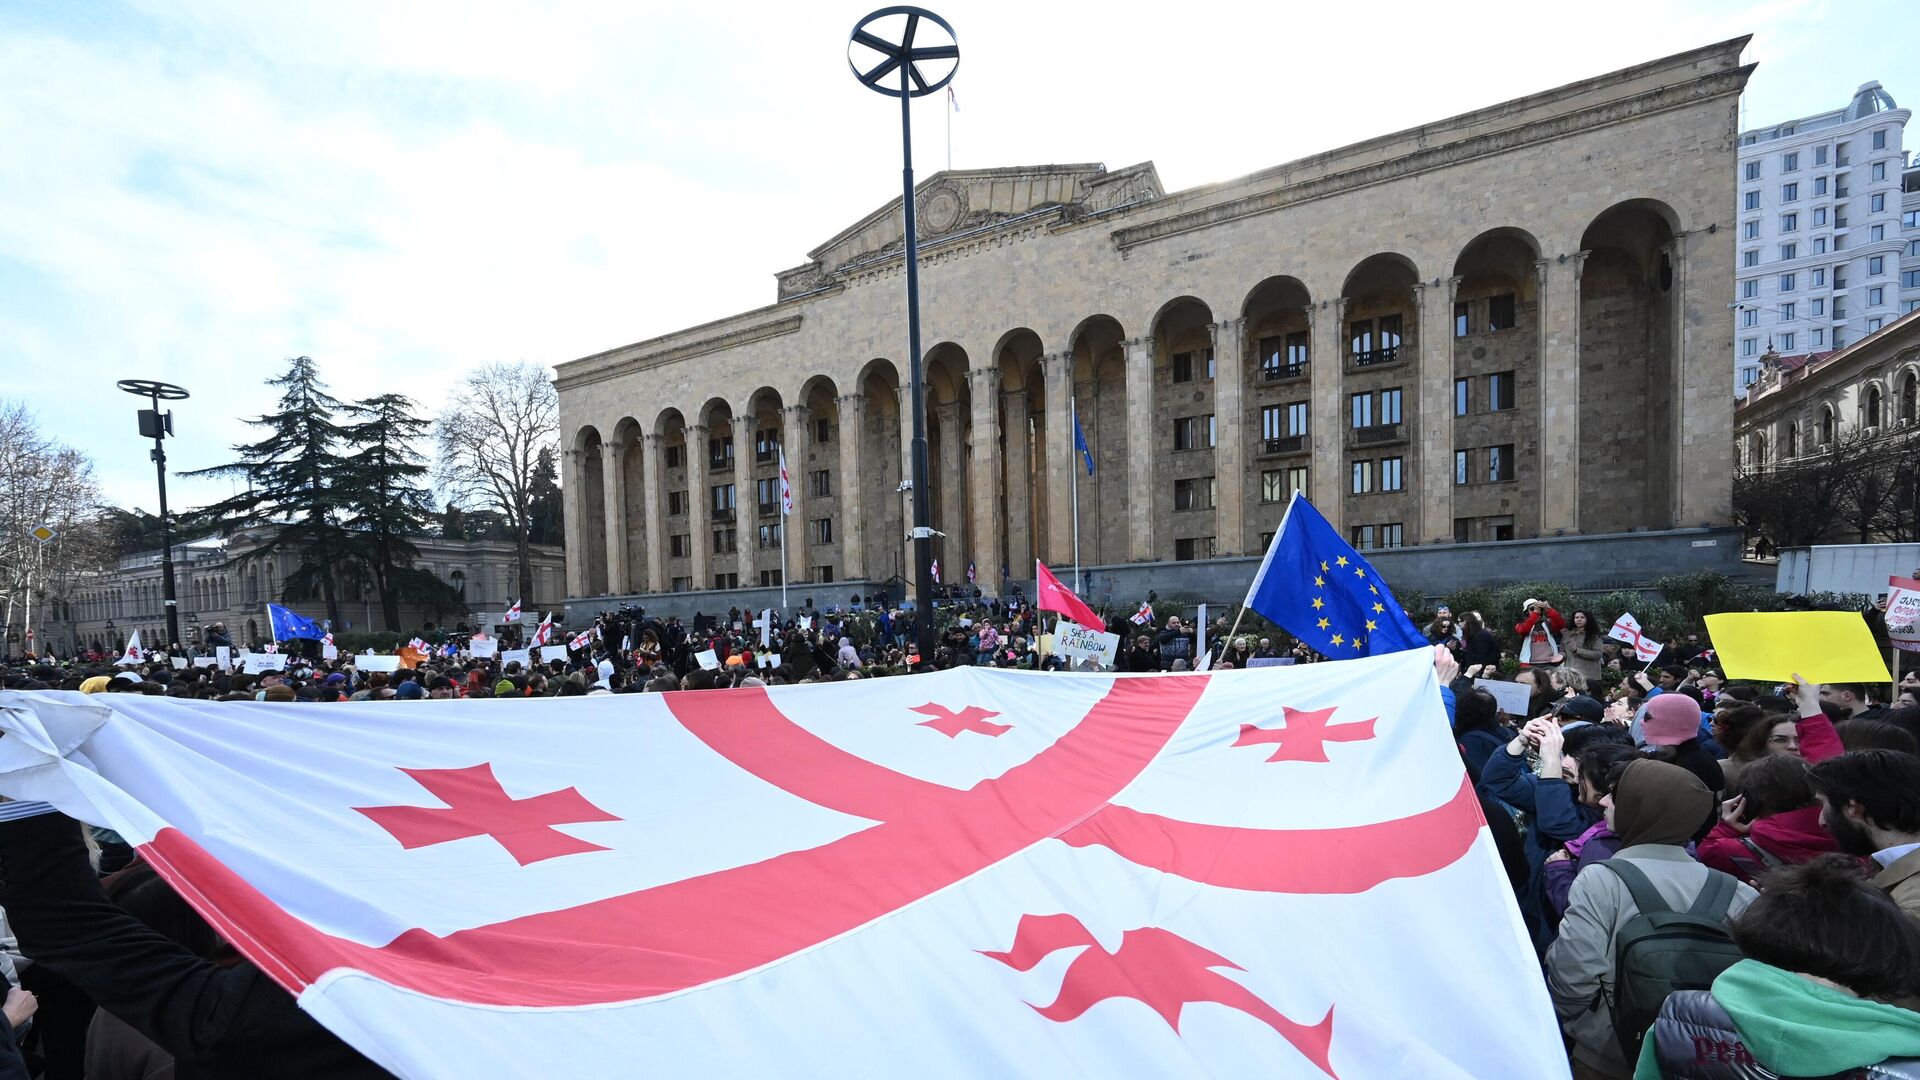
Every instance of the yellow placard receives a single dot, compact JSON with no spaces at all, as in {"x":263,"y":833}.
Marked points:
{"x":1819,"y":646}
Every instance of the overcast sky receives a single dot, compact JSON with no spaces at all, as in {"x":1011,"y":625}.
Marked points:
{"x":194,"y":191}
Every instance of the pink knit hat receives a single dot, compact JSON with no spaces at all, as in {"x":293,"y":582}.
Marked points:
{"x":1671,"y":719}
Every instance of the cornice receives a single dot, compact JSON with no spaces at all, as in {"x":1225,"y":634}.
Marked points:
{"x":746,"y":335}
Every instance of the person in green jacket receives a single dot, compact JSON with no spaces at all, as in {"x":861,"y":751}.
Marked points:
{"x":1831,"y":973}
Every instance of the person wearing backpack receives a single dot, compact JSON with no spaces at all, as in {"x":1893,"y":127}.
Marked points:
{"x":1176,"y":643}
{"x":1830,"y":960}
{"x":1641,"y":924}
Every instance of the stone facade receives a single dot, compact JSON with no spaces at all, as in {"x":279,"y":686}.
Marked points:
{"x":225,"y":581}
{"x":1558,"y":263}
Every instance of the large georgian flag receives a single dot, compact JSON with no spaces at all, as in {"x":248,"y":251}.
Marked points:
{"x":1277,"y":872}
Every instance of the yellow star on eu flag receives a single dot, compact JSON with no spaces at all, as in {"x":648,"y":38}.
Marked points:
{"x":1340,"y":560}
{"x":1371,"y":625}
{"x":1359,"y":572}
{"x":1318,"y":603}
{"x":1319,"y":582}
{"x":1356,"y":643}
{"x":1323,"y":566}
{"x":1379,"y":608}
{"x":1338,"y":640}
{"x":1323,"y":624}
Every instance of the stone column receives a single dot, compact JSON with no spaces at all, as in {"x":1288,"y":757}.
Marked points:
{"x":575,"y":511}
{"x":699,"y":505}
{"x":983,"y":477}
{"x":951,"y":518}
{"x":1326,"y":418}
{"x":1695,"y":407}
{"x":1230,"y":426}
{"x":1057,"y":370}
{"x":852,"y":524}
{"x":793,"y":436}
{"x":746,"y":527}
{"x":656,"y":512}
{"x":613,"y":476}
{"x":1434,"y":452}
{"x":1019,"y":474}
{"x":1140,"y":449}
{"x":1559,"y":457}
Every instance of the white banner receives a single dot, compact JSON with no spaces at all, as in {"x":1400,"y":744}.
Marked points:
{"x":370,"y":662}
{"x":550,"y":653}
{"x":482,"y":648}
{"x":224,"y":654}
{"x":253,"y":663}
{"x":538,"y":891}
{"x":523,"y":657}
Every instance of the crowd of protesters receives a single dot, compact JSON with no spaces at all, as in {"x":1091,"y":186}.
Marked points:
{"x":1722,"y":878}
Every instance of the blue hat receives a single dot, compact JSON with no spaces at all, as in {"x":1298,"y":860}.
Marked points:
{"x":409,"y":691}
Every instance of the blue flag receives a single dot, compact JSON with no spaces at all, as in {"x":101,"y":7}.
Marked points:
{"x":1080,"y":442}
{"x":287,"y":625}
{"x":1314,"y":586}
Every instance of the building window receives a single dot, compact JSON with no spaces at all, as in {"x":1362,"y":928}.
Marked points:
{"x":1786,"y":341}
{"x":1819,"y":245}
{"x":1819,"y":278}
{"x":1786,"y":310}
{"x":1462,"y":530}
{"x":766,"y":442}
{"x":1193,"y":432}
{"x":1876,"y":265}
{"x":1297,"y":418}
{"x":1750,"y":230}
{"x":1839,"y":307}
{"x":1362,"y":477}
{"x":1826,"y":427}
{"x":1750,"y":257}
{"x":672,"y":457}
{"x":1819,"y":155}
{"x":1372,"y":537}
{"x":1873,"y":324}
{"x":1500,"y":528}
{"x":1819,"y":215}
{"x":1390,"y":406}
{"x":678,"y":546}
{"x":1819,"y":189}
{"x":676,"y":503}
{"x":1816,"y":307}
{"x":819,"y":483}
{"x":1500,"y":463}
{"x":1751,"y":201}
{"x":1749,"y":318}
{"x":1361,"y":536}
{"x":769,"y":536}
{"x":1462,"y":392}
{"x":1750,"y":289}
{"x":1876,"y":296}
{"x":1790,"y":162}
{"x":723,"y":540}
{"x":1390,"y":474}
{"x":1278,"y":485}
{"x":726,"y":581}
{"x":1873,"y":407}
{"x":821,"y":530}
{"x":1375,"y":341}
{"x":1753,"y":170}
{"x":1189,"y":548}
{"x":769,"y":579}
{"x":720,"y":452}
{"x":1788,"y":282}
{"x":766,"y":494}
{"x":1270,"y":422}
{"x":1909,"y":396}
{"x":1876,"y":233}
{"x":1879,"y":172}
{"x":1500,"y":387}
{"x":1789,"y":251}
{"x":1880,"y":139}
{"x":1500,"y":312}
{"x":1286,"y":357}
{"x":1462,"y":325}
{"x":1193,"y":494}
{"x":1793,"y":440}
{"x":1910,"y":279}
{"x":1816,"y":337}
{"x":1876,"y":204}
{"x":1183,"y":367}
{"x":1362,"y":410}
{"x":1462,"y":466}
{"x":824,"y":574}
{"x":1790,"y":222}
{"x":822,"y":430}
{"x":721,"y":502}
{"x":1839,"y":277}
{"x":1839,"y":338}
{"x":1789,"y":192}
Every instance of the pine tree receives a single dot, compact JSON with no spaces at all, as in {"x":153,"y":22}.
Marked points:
{"x":381,"y":499}
{"x":546,"y":521}
{"x":290,"y":487}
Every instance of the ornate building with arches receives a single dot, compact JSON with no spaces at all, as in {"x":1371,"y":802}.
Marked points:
{"x":1497,"y":327}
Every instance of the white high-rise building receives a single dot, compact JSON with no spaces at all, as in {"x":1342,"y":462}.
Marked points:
{"x":1828,"y":232}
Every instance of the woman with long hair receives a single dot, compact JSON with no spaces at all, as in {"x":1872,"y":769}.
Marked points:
{"x":1581,"y":645}
{"x":1480,"y":651}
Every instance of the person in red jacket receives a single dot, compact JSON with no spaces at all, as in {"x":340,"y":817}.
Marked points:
{"x":1538,"y":627}
{"x":1775,"y":821}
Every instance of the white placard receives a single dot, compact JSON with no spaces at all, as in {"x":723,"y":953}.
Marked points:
{"x":224,"y":653}
{"x":205,"y":661}
{"x":481,"y":648}
{"x":767,"y":660}
{"x":253,"y":663}
{"x":329,"y":652}
{"x":549,"y":653}
{"x":707,"y":658}
{"x":1269,"y":661}
{"x":1081,"y":642}
{"x":370,"y":662}
{"x":524,"y":657}
{"x":179,"y":663}
{"x":806,"y":622}
{"x":1513,"y":697}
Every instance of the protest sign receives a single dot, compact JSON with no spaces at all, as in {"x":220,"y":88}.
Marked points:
{"x":1819,"y":646}
{"x":523,"y":657}
{"x":1082,"y":642}
{"x":224,"y":654}
{"x":254,"y":663}
{"x":329,"y":652}
{"x":482,"y":648}
{"x":1270,"y":661}
{"x":1513,"y":698}
{"x":550,"y":653}
{"x":1903,"y":613}
{"x":179,"y":663}
{"x":767,"y":660}
{"x":370,"y":662}
{"x":707,"y":658}
{"x":205,"y":661}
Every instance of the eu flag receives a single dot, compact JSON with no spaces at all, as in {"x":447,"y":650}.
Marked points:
{"x":1314,"y":586}
{"x":1080,"y":442}
{"x":287,"y":625}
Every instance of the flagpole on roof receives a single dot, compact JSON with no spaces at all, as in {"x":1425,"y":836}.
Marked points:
{"x":1073,"y":476}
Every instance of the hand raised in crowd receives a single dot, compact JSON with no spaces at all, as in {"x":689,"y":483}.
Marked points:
{"x":1806,"y":696}
{"x":1444,"y":665}
{"x":1733,"y":814}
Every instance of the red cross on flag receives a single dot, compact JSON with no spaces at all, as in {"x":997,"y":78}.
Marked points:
{"x":513,"y":613}
{"x":1627,"y":629}
{"x":1277,"y":873}
{"x":544,"y":632}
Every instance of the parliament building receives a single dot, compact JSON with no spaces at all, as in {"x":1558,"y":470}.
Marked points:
{"x":1501,"y":327}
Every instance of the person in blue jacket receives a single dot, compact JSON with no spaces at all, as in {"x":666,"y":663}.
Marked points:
{"x":1551,"y":802}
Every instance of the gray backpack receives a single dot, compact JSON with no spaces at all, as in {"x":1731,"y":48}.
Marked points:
{"x":1661,"y":950}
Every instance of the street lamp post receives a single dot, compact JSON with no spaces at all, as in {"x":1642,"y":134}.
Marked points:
{"x":903,"y":60}
{"x":159,"y":425}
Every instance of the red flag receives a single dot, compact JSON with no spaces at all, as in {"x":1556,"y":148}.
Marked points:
{"x":1050,"y":595}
